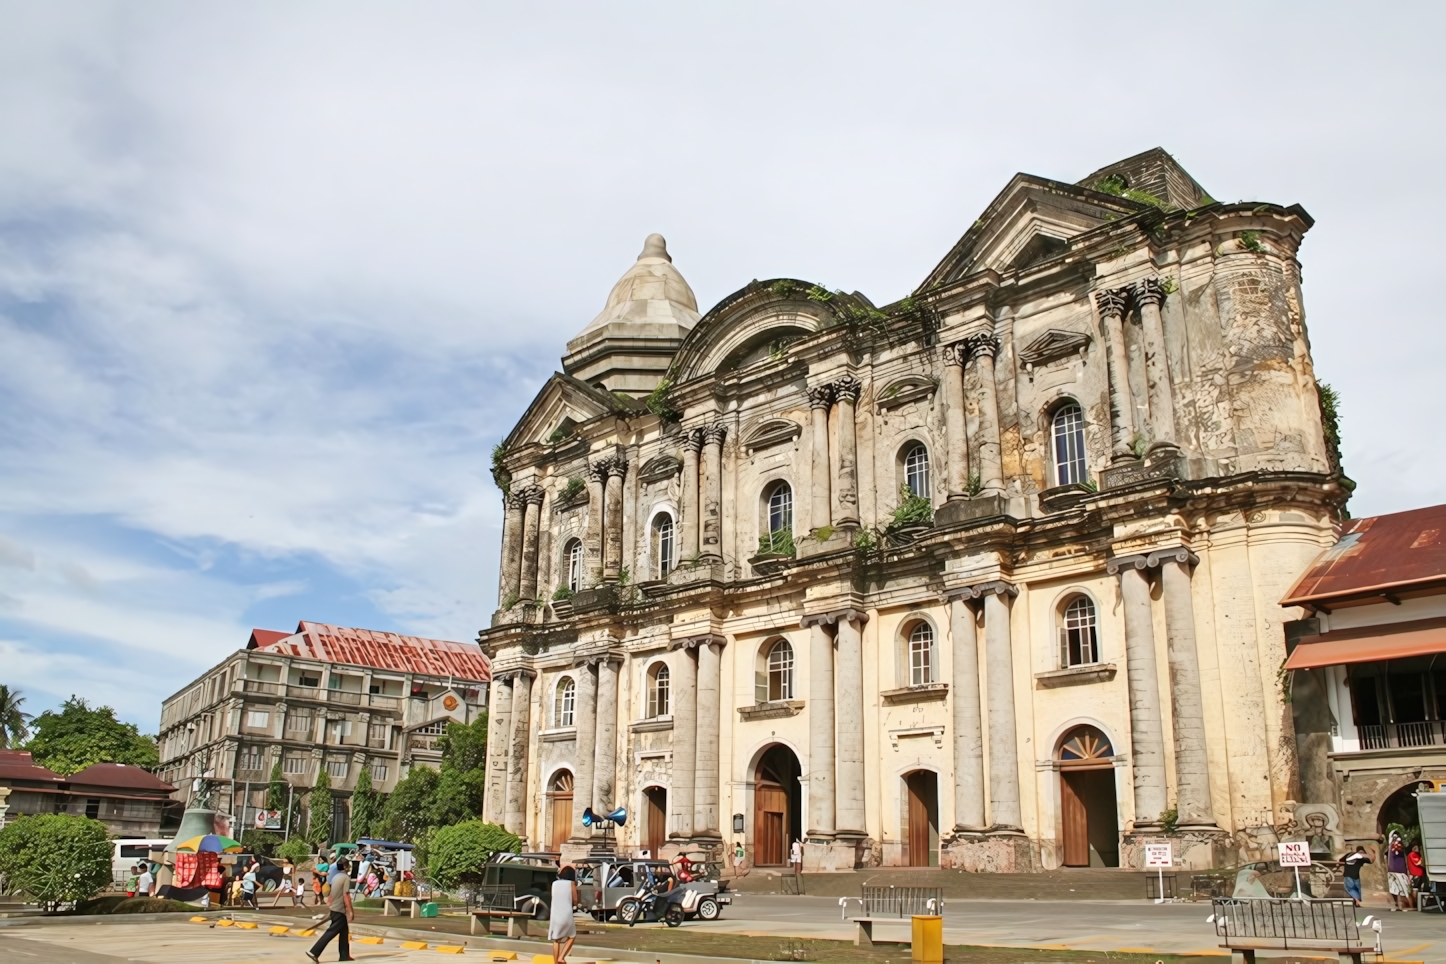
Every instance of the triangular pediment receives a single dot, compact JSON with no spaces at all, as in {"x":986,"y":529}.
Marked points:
{"x":1031,"y":221}
{"x":562,"y":403}
{"x":1053,"y":344}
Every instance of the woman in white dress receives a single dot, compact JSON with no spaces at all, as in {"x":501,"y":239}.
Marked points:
{"x":561,"y":928}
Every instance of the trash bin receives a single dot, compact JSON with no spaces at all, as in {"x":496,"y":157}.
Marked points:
{"x":429,"y":909}
{"x":929,"y":939}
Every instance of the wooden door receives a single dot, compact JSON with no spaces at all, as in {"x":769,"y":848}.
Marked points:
{"x":918,"y":823}
{"x":1075,"y":820}
{"x":560,"y":799}
{"x":770,"y":844}
{"x":656,"y":824}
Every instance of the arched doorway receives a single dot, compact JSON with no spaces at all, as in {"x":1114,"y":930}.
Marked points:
{"x":655,"y":820}
{"x":1089,"y":816}
{"x":777,"y":807}
{"x":559,"y":805}
{"x":920,"y":819}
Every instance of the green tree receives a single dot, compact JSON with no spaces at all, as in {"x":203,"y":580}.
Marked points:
{"x":456,"y":853}
{"x":318,"y":805}
{"x":80,"y":735}
{"x":458,"y":796}
{"x":55,"y":858}
{"x":262,"y":842}
{"x":410,"y":806}
{"x":276,"y":789}
{"x":297,"y":850}
{"x":366,"y":806}
{"x":464,"y":745}
{"x":14,"y":722}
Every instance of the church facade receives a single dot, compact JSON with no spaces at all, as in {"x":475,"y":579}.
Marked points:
{"x":985,"y":578}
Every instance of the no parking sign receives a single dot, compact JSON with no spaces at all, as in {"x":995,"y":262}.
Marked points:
{"x":1294,"y":853}
{"x":1157,"y":855}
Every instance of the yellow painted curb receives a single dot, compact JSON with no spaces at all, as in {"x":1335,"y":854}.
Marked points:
{"x":369,"y":940}
{"x":542,"y":959}
{"x":200,"y":920}
{"x":225,"y":922}
{"x":449,"y":949}
{"x":283,"y":929}
{"x":501,"y":955}
{"x":309,"y":932}
{"x":414,"y":945}
{"x":246,"y":925}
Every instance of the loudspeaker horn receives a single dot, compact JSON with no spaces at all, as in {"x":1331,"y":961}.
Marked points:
{"x":588,"y":817}
{"x":619,"y":816}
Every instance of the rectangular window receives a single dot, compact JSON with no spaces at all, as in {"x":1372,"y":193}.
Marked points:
{"x":379,"y":735}
{"x":333,"y":682}
{"x":298,"y":722}
{"x":258,"y":718}
{"x":92,"y":809}
{"x":337,"y":769}
{"x":379,"y":773}
{"x":296,"y":763}
{"x":250,"y":758}
{"x":309,"y":680}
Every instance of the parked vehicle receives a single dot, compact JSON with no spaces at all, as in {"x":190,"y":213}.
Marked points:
{"x":604,"y":883}
{"x":648,"y":906}
{"x":531,"y":877}
{"x":129,"y":851}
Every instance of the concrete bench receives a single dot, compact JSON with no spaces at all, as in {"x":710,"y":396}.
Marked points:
{"x":516,"y":921}
{"x":1243,"y":950}
{"x":392,"y":906}
{"x":864,"y":937}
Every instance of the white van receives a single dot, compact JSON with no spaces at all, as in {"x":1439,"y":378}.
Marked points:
{"x":127,"y":852}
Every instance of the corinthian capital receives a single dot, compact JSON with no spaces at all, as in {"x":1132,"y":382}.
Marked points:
{"x":1148,"y":291}
{"x":982,"y":344}
{"x":694,"y":440}
{"x":956,"y":354}
{"x":517,"y":499}
{"x":1111,"y":302}
{"x":533,"y":494}
{"x":598,"y":471}
{"x":820,"y":396}
{"x":848,"y":389}
{"x":617,"y":465}
{"x":715,"y":434}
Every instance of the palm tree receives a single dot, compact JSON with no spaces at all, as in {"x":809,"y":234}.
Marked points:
{"x":13,"y":720}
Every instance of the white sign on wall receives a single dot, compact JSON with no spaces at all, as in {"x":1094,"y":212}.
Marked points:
{"x":1294,"y":853}
{"x":1157,"y":855}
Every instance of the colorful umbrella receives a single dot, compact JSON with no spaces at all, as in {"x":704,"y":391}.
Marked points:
{"x":212,"y":844}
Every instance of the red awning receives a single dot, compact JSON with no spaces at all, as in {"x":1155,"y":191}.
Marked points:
{"x":1369,"y":646}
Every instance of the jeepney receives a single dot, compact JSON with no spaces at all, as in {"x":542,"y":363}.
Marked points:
{"x":604,"y":881}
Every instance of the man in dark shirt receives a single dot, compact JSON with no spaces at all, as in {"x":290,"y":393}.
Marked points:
{"x":1353,"y":864}
{"x":342,"y":914}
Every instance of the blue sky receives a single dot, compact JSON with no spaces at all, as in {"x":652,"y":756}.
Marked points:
{"x":274,"y":278}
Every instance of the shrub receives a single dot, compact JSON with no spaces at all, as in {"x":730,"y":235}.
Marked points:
{"x":777,"y":542}
{"x":318,"y":808}
{"x":262,"y":842}
{"x":913,"y":509}
{"x":296,"y":850}
{"x":55,"y":859}
{"x":458,"y":851}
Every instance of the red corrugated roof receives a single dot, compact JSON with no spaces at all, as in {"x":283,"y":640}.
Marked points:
{"x":119,"y":776}
{"x":1384,"y":553}
{"x":17,"y":765}
{"x":364,"y":647}
{"x":265,"y":637}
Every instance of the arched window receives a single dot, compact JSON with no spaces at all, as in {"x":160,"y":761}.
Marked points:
{"x":916,"y":470}
{"x":573,"y":556}
{"x":1067,"y":428}
{"x":780,"y":508}
{"x":777,"y":683}
{"x":564,"y":702}
{"x":923,"y":659}
{"x":1079,"y":643}
{"x":658,"y":677}
{"x":664,"y":555}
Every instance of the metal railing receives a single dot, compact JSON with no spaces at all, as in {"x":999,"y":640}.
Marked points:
{"x":1282,"y":922}
{"x":494,"y":897}
{"x":342,"y":696}
{"x":1386,"y":736}
{"x":898,"y":901}
{"x":258,"y":686}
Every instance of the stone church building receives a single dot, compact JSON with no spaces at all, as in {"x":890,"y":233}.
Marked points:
{"x":985,"y":578}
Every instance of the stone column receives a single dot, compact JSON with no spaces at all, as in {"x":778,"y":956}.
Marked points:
{"x":820,"y":399}
{"x":847,"y":390}
{"x":512,"y":547}
{"x":1111,"y":305}
{"x":713,"y":490}
{"x":592,"y":540}
{"x":605,"y":750}
{"x":585,"y":721}
{"x":494,"y":804}
{"x":705,"y":801}
{"x":991,"y":467}
{"x":692,"y":445}
{"x":1149,"y":296}
{"x":1192,"y":765}
{"x":969,"y":816}
{"x":683,"y":694}
{"x":531,"y":523}
{"x":849,"y":709}
{"x":519,"y":736}
{"x":1147,"y":739}
{"x":955,"y":438}
{"x":617,"y":467}
{"x":821,"y":792}
{"x":999,"y":684}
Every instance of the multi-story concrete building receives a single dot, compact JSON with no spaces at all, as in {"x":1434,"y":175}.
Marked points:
{"x":988,"y":577}
{"x":321,"y":696}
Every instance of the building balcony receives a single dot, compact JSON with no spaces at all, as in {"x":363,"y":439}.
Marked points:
{"x":1390,"y":736}
{"x":262,"y":688}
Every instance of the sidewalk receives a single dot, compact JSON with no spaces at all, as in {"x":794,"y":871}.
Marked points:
{"x":1084,"y":883}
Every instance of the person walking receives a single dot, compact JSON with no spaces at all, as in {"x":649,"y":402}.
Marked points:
{"x":248,"y":886}
{"x":1398,"y":881}
{"x":795,"y":857}
{"x":1352,"y":879}
{"x":1416,"y":868}
{"x":738,"y":857}
{"x":561,"y":928}
{"x":342,"y":914}
{"x":146,"y":882}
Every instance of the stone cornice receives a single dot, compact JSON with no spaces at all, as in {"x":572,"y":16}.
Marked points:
{"x":1150,"y":560}
{"x":981,"y":589}
{"x":832,"y":617}
{"x":690,"y":642}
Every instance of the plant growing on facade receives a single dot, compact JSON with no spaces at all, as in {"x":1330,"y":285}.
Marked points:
{"x":1139,"y":444}
{"x":1250,"y":240}
{"x":1169,"y":818}
{"x":1169,"y":285}
{"x":784,"y":287}
{"x":913,"y":510}
{"x":572,"y":490}
{"x":562,"y":594}
{"x":973,"y":485}
{"x":55,"y":859}
{"x":821,"y":295}
{"x":778,"y":543}
{"x":500,"y":475}
{"x":657,"y":402}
